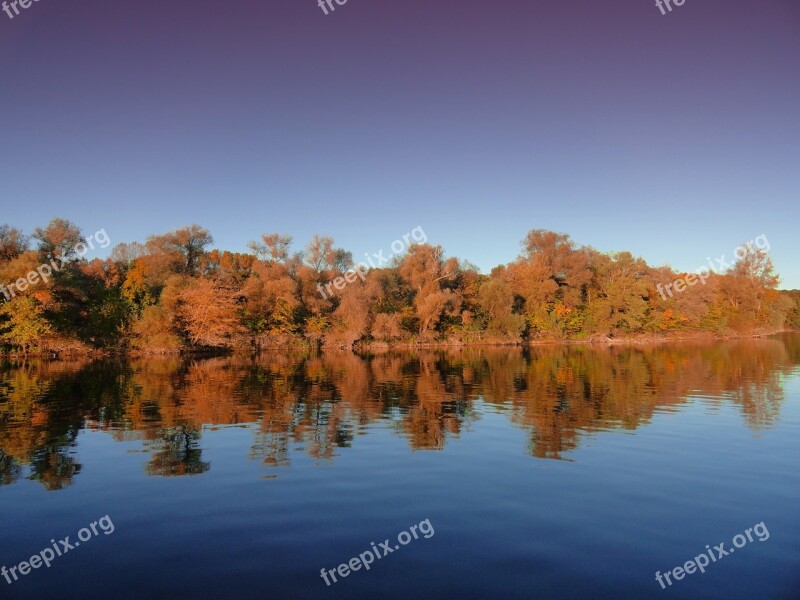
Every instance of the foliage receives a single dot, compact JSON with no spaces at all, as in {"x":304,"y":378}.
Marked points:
{"x":24,"y":324}
{"x":175,"y":293}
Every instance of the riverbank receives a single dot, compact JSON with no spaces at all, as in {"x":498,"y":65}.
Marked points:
{"x":79,"y":350}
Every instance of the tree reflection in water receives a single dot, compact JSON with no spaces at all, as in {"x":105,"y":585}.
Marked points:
{"x":325,"y":401}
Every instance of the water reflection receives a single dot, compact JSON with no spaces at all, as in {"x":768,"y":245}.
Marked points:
{"x":322,"y":402}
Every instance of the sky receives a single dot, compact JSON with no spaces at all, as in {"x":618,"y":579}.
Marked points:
{"x":675,"y":136}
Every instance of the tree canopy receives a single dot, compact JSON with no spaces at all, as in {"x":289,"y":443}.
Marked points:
{"x":175,"y":292}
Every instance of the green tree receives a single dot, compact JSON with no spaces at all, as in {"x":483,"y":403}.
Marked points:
{"x":25,"y":325}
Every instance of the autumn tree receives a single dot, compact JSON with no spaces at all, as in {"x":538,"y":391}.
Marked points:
{"x":352,"y":319}
{"x":321,"y":255}
{"x":793,"y":312}
{"x":186,"y":245}
{"x":60,"y":238}
{"x":618,"y":300}
{"x":749,"y":290}
{"x":12,"y":243}
{"x":497,"y":305}
{"x":387,"y":327}
{"x":669,"y":310}
{"x":233,"y":268}
{"x":125,"y":253}
{"x":273,"y":247}
{"x":423,"y":267}
{"x":207,"y":314}
{"x":24,"y":325}
{"x":552,"y":277}
{"x":271,"y":299}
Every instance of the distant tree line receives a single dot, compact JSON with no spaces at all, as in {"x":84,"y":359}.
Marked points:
{"x":175,"y":293}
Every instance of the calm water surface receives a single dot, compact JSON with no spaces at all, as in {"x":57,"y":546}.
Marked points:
{"x":555,"y":472}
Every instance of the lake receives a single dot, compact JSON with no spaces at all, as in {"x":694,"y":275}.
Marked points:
{"x":553,"y":472}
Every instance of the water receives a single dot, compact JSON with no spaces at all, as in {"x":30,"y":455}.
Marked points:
{"x":555,"y":472}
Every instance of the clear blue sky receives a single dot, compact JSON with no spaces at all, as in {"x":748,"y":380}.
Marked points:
{"x":674,"y":136}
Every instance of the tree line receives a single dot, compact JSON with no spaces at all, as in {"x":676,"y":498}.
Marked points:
{"x":174,"y":292}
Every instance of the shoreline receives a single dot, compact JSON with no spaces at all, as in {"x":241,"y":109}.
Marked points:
{"x":373,"y":347}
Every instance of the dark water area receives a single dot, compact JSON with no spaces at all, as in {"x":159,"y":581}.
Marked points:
{"x":550,"y":472}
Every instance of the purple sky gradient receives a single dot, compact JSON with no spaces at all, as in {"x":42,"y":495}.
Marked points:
{"x":676,"y":137}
